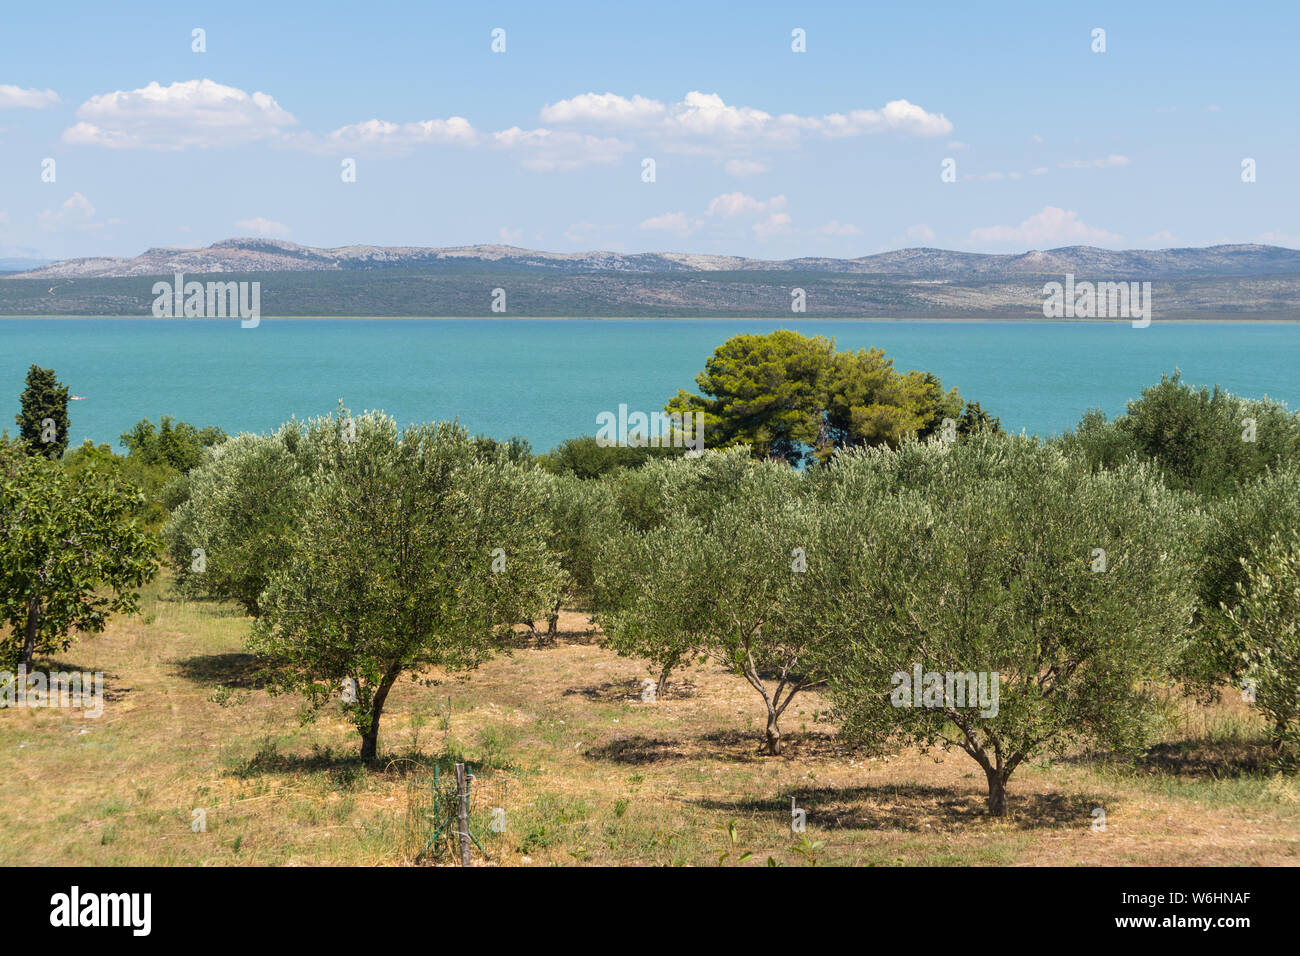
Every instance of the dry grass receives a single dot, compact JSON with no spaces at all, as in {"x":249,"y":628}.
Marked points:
{"x":593,"y":774}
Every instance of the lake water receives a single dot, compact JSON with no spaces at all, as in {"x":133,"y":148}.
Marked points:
{"x":548,"y":379}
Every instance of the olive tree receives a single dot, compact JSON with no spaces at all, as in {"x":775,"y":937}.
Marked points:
{"x":241,"y":505}
{"x":647,"y":496}
{"x":582,"y":518}
{"x":645,"y":500}
{"x":1203,"y":440}
{"x":413,"y":552}
{"x":724,"y":589}
{"x":1238,"y":531}
{"x":1267,"y":621}
{"x":997,"y":597}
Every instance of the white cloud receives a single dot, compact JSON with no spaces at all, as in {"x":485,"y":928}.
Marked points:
{"x":1038,"y":171}
{"x":706,"y":116}
{"x":674,"y":222}
{"x":604,"y":109}
{"x":17,"y":98}
{"x":740,"y":168}
{"x":4,"y":216}
{"x":190,"y":114}
{"x":80,"y":204}
{"x":455,"y":130}
{"x":263,"y":227}
{"x":958,"y":144}
{"x":1164,"y":235}
{"x":77,"y":212}
{"x":1110,"y":162}
{"x":896,"y":116}
{"x":766,"y":219}
{"x":778,"y":223}
{"x":547,"y":150}
{"x":837,"y":228}
{"x":203,"y":114}
{"x":1052,"y":224}
{"x":544,"y":150}
{"x":739,"y":204}
{"x":510,"y":236}
{"x":920,"y":233}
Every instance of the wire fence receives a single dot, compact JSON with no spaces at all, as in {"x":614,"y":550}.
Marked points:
{"x":434,"y":814}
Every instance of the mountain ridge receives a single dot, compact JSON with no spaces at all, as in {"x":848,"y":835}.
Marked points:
{"x":261,"y":255}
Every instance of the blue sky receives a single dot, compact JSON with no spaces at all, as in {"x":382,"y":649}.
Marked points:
{"x":758,"y":150}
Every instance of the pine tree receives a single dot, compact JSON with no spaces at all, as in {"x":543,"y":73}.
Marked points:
{"x":43,"y":420}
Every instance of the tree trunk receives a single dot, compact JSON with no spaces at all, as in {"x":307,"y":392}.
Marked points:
{"x":553,"y":622}
{"x":661,"y":685}
{"x":29,"y":632}
{"x":773,"y":742}
{"x":370,"y":739}
{"x":1277,"y":736}
{"x":370,"y":743}
{"x":997,"y":792}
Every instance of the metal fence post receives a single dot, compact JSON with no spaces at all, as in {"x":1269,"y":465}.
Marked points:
{"x":462,"y":793}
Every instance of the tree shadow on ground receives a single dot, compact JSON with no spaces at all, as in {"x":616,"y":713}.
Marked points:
{"x":1203,"y":758}
{"x":638,"y":749}
{"x":914,"y":807}
{"x":801,"y":744}
{"x":113,"y":691}
{"x":235,"y":670}
{"x":679,"y":690}
{"x":736,"y":746}
{"x":523,"y":639}
{"x":629,"y":691}
{"x":610,"y":691}
{"x":345,"y":764}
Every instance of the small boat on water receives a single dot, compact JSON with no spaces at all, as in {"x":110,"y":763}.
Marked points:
{"x":77,"y":398}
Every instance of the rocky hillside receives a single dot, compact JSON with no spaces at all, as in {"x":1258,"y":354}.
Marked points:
{"x":273,"y":255}
{"x":1236,"y":281}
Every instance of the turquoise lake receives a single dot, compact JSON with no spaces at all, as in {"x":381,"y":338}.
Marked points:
{"x":548,"y":379}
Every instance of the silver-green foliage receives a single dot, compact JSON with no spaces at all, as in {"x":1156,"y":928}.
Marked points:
{"x":1267,"y":622}
{"x":985,"y":557}
{"x":241,"y":506}
{"x":412,"y":552}
{"x":718,"y":576}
